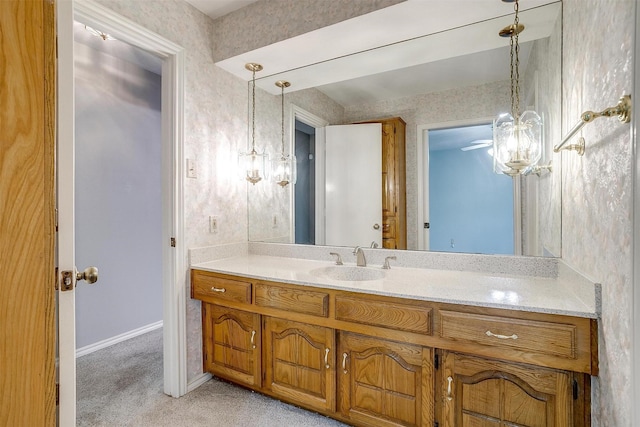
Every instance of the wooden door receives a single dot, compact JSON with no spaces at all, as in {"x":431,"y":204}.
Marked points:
{"x":300,"y":363}
{"x":232,"y":344}
{"x":394,"y":215}
{"x":479,"y":392}
{"x":27,"y":225}
{"x":385,"y":383}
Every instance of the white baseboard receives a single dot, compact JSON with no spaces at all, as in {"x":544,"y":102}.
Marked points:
{"x":117,"y":339}
{"x":198,"y":381}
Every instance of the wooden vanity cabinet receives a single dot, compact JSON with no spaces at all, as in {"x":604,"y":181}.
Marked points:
{"x":384,"y":383}
{"x":232,"y":344}
{"x":299,"y":363}
{"x":372,"y":360}
{"x":482,"y":392}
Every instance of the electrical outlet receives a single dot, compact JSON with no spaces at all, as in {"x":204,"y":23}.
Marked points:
{"x":192,"y":171}
{"x":213,"y":224}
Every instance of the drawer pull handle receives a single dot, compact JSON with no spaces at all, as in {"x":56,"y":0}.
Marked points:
{"x":214,"y":289}
{"x":253,"y":337}
{"x":344,"y":363}
{"x":502,"y":337}
{"x":326,"y":358}
{"x":449,"y":382}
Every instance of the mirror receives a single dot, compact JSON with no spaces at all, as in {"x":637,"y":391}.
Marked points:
{"x":463,"y":84}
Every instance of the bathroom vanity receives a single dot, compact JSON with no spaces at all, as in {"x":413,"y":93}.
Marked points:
{"x":406,"y":347}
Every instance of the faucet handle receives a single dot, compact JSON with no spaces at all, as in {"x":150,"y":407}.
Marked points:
{"x":386,"y":265}
{"x":338,"y":257}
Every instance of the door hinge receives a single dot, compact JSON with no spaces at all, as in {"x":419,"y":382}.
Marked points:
{"x":55,"y":219}
{"x":173,"y":242}
{"x":57,"y":394}
{"x":575,"y":390}
{"x":436,"y":361}
{"x":426,"y":225}
{"x":56,"y":281}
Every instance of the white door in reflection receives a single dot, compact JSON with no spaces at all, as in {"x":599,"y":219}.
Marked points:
{"x":353,"y":185}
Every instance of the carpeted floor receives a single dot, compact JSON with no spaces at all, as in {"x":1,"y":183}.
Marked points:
{"x":122,"y":386}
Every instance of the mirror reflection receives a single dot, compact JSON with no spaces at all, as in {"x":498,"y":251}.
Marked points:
{"x":438,"y":191}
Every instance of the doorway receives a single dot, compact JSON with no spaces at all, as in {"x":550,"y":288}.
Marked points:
{"x":466,"y":206}
{"x":172,"y":243}
{"x":307,"y":139}
{"x":305,"y":194}
{"x":118,"y":213}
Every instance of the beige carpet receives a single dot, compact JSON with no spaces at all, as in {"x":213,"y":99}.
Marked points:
{"x":122,"y":386}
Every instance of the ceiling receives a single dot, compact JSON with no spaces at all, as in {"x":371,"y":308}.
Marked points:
{"x":218,"y":8}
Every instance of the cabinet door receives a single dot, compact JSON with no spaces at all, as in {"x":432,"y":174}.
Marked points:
{"x":300,"y":363}
{"x":385,"y":383}
{"x":231,"y":344}
{"x":482,"y":393}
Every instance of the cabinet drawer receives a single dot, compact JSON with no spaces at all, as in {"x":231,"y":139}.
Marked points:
{"x":556,"y":339}
{"x":291,"y":299}
{"x":209,"y":286}
{"x":388,"y":314}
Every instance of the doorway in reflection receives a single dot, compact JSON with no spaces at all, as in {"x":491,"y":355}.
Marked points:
{"x":470,"y":207}
{"x":305,"y":195}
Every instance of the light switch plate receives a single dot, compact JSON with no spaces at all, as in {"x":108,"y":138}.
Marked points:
{"x":191,"y":169}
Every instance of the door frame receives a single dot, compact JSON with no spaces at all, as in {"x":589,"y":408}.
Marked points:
{"x":318,"y":123}
{"x":172,"y":136}
{"x":423,"y":181}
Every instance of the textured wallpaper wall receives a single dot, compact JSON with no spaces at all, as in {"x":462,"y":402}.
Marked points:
{"x":597,"y":188}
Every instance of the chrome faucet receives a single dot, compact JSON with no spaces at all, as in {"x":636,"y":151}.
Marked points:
{"x":361,"y":261}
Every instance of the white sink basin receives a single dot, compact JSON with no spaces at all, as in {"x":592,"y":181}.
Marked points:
{"x":349,"y":273}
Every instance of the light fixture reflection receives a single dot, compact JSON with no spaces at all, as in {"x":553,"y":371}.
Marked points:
{"x":283,"y":168}
{"x":517,"y":138}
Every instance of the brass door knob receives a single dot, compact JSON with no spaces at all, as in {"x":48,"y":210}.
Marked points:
{"x":90,"y":274}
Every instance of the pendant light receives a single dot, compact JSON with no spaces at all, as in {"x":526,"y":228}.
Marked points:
{"x":252,"y":164}
{"x":283,"y":168}
{"x":517,"y":138}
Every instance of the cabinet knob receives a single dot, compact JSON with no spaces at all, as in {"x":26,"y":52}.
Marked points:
{"x":449,"y":382}
{"x":214,"y":289}
{"x":344,"y":362}
{"x":326,"y":358}
{"x":253,"y":337}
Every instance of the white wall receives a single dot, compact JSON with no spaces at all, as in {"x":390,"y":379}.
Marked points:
{"x":118,"y":195}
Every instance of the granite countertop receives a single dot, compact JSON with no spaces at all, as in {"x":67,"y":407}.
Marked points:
{"x":524,"y":293}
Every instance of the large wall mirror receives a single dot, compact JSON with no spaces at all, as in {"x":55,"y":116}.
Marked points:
{"x":446,"y":82}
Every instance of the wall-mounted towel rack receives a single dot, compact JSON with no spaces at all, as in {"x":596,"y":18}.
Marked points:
{"x":622,"y":110}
